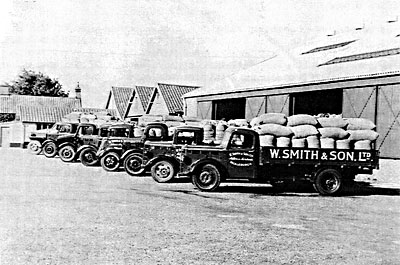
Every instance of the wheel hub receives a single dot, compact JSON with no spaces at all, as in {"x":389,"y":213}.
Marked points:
{"x":205,"y":177}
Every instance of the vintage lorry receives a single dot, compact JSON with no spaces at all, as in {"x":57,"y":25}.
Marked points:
{"x":39,"y":138}
{"x":160,"y":158}
{"x":88,"y":152}
{"x":66,"y":146}
{"x":240,"y":157}
{"x":114,"y":150}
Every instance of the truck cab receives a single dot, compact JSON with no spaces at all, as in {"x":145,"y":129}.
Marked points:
{"x":160,"y":158}
{"x":127,"y":140}
{"x":87,"y":134}
{"x":240,"y":156}
{"x":44,"y":140}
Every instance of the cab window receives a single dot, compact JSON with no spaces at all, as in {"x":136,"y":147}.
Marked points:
{"x":186,"y":138}
{"x":241,"y":141}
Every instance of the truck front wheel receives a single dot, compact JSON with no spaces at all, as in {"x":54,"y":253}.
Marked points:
{"x":133,"y":164}
{"x":328,"y":182}
{"x":110,"y":161}
{"x":163,"y":171}
{"x":88,"y":157}
{"x":34,"y":147}
{"x":207,"y":178}
{"x":67,"y":153}
{"x":50,"y":149}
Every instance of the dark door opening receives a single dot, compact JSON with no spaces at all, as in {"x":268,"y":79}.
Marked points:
{"x":316,"y":102}
{"x":229,"y":109}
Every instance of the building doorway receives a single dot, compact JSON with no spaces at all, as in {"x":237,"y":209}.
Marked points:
{"x":229,"y":109}
{"x":316,"y":102}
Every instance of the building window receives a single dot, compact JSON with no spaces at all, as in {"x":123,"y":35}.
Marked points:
{"x":317,"y":102}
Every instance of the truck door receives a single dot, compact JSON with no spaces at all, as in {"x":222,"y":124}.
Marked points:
{"x":242,"y":156}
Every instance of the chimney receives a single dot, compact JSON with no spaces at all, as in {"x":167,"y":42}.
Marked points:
{"x":78,"y":94}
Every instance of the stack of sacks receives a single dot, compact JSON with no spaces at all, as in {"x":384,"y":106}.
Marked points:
{"x":208,"y":132}
{"x":271,"y":126}
{"x":332,"y":133}
{"x":303,"y":127}
{"x":362,"y":133}
{"x":220,"y":131}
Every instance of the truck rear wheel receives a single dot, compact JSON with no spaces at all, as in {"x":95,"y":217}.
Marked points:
{"x":67,"y":153}
{"x":133,"y":164}
{"x":110,"y":161}
{"x":88,"y":157}
{"x":163,"y":171}
{"x":34,"y":147}
{"x":50,"y":149}
{"x":208,"y":178}
{"x":328,"y":182}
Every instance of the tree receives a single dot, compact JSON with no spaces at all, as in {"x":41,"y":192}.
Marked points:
{"x":36,"y":84}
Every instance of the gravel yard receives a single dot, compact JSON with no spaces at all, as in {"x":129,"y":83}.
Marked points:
{"x":58,"y":213}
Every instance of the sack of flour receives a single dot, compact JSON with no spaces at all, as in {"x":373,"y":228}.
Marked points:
{"x":333,"y":132}
{"x":327,"y":143}
{"x":274,"y":129}
{"x":338,"y":122}
{"x":313,"y":142}
{"x":301,"y":119}
{"x":343,"y":144}
{"x":362,"y":145}
{"x":299,"y":142}
{"x":302,"y":131}
{"x":282,"y":142}
{"x":274,"y":118}
{"x":360,"y":124}
{"x":357,"y":135}
{"x":267,"y":140}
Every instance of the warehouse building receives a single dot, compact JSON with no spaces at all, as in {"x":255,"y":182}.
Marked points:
{"x":354,"y":73}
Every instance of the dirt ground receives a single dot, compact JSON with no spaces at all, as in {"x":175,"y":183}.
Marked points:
{"x":58,"y":213}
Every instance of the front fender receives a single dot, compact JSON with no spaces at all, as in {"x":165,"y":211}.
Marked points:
{"x":102,"y":153}
{"x":48,"y":141}
{"x":86,"y":146}
{"x":131,"y":151}
{"x":154,"y":160}
{"x":65,"y":144}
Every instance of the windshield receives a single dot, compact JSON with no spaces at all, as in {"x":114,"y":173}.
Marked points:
{"x":64,"y":128}
{"x":86,"y":130}
{"x":104,"y":132}
{"x":119,"y":132}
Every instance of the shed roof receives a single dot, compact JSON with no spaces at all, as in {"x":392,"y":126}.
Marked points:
{"x":9,"y":104}
{"x":371,"y":52}
{"x":41,"y":114}
{"x":172,"y":95}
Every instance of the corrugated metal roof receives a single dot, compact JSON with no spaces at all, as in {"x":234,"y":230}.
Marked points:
{"x":121,"y":98}
{"x":172,"y":95}
{"x":42,"y":114}
{"x":144,"y":94}
{"x":299,"y":66}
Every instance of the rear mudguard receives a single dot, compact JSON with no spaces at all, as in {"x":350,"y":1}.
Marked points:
{"x":154,"y":160}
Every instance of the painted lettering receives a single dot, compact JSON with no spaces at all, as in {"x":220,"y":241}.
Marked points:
{"x":285,"y":154}
{"x":274,"y":153}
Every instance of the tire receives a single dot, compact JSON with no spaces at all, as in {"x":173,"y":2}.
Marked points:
{"x":110,"y":161}
{"x":88,"y":157}
{"x":34,"y":147}
{"x":208,"y":178}
{"x":163,"y":171}
{"x":328,"y":182}
{"x":67,"y":153}
{"x":133,"y":164}
{"x":50,"y":149}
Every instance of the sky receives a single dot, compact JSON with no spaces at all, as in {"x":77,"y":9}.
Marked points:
{"x":105,"y":43}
